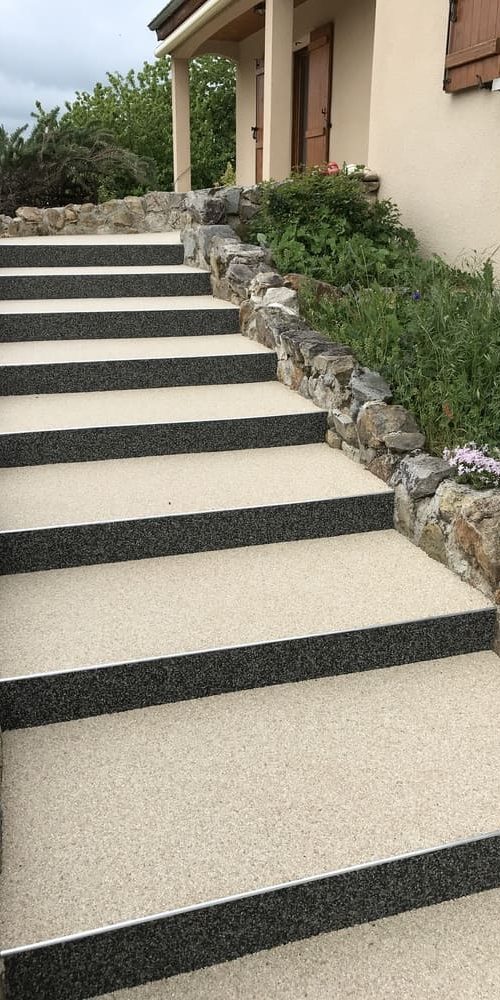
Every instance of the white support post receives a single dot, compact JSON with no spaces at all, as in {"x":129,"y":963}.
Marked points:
{"x":278,"y":65}
{"x":181,"y":131}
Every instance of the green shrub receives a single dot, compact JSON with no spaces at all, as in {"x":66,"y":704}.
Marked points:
{"x":324,"y":227}
{"x":437,"y":341}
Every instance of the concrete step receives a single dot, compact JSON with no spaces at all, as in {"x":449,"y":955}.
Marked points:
{"x":53,"y":516}
{"x":69,"y":319}
{"x":78,"y":282}
{"x":446,"y":950}
{"x":82,"y":427}
{"x":184,"y":835}
{"x":88,"y":366}
{"x":92,"y":251}
{"x":127,"y":634}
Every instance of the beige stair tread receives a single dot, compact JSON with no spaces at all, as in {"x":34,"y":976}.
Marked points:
{"x":81,"y":492}
{"x":94,"y":239}
{"x":144,"y":406}
{"x":132,"y":303}
{"x":445,"y":952}
{"x":96,"y":269}
{"x":140,"y":812}
{"x":67,"y":351}
{"x":154,"y":607}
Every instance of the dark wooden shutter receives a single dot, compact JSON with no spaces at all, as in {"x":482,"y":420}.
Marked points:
{"x":473,"y":50}
{"x":319,"y":87}
{"x":259,"y":118}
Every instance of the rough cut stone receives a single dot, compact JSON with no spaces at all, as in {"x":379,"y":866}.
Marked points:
{"x":477,"y":532}
{"x":281,"y":296}
{"x":383,"y":466}
{"x":378,"y":422}
{"x":344,"y":427}
{"x":333,"y":440}
{"x":367,"y":385}
{"x":422,"y":474}
{"x":432,"y":541}
{"x":266,"y":279}
{"x":333,"y":362}
{"x":404,"y":441}
{"x":231,"y":198}
{"x":450,"y":497}
{"x":205,"y":208}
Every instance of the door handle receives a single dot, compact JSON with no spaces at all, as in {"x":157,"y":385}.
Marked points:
{"x":254,"y":130}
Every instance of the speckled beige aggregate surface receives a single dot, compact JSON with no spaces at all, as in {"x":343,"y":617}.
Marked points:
{"x":42,"y":272}
{"x":130,"y":303}
{"x":143,"y":406}
{"x":152,"y":607}
{"x":122,"y":349}
{"x":445,"y":952}
{"x":172,"y":484}
{"x":136,"y":813}
{"x":93,"y":239}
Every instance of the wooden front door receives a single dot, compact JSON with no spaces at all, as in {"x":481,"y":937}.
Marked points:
{"x":311,"y":100}
{"x":259,"y":118}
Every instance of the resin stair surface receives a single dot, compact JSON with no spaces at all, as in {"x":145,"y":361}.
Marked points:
{"x":183,"y":604}
{"x":238,"y":709}
{"x":84,"y":365}
{"x":443,"y":951}
{"x":91,"y":250}
{"x":132,"y":316}
{"x":242,"y":791}
{"x":108,"y":280}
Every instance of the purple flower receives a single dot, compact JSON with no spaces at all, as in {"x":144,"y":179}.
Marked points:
{"x":416,"y":296}
{"x":474,"y":465}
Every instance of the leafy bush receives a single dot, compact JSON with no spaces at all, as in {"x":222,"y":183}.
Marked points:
{"x":437,"y":341}
{"x":60,"y":163}
{"x":431,"y":329}
{"x":324,"y":227}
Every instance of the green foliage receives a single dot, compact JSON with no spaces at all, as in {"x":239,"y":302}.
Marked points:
{"x":137,"y":109}
{"x":117,"y":140}
{"x":60,"y":162}
{"x":437,"y":341}
{"x":228,"y":178}
{"x":324,"y":227}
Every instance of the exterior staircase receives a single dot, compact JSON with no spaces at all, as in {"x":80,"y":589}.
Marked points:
{"x":174,"y":528}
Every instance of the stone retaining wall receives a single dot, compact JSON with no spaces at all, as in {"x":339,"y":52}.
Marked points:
{"x":156,"y":212}
{"x":455,"y":524}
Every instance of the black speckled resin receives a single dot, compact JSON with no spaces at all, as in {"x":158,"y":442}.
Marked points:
{"x":137,"y":373}
{"x":103,"y":325}
{"x":97,"y":285}
{"x":75,"y":694}
{"x":89,"y":444}
{"x":146,"y":538}
{"x":89,"y":254}
{"x":185,"y":940}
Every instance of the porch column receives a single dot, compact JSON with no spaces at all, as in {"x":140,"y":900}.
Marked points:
{"x":278,"y":62}
{"x":181,"y":133}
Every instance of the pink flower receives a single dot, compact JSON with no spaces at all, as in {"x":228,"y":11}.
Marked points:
{"x":332,"y":168}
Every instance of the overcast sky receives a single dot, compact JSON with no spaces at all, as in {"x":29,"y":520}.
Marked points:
{"x":51,"y":48}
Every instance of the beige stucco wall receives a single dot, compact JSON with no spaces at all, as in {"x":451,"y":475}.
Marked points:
{"x":352,"y":71}
{"x":438,"y":154}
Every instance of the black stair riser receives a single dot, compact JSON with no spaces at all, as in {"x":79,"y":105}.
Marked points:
{"x":110,"y":325}
{"x":195,"y":938}
{"x":88,"y":255}
{"x":137,"y":373}
{"x":80,"y":286}
{"x":89,"y":444}
{"x":147,"y":538}
{"x":74,"y":694}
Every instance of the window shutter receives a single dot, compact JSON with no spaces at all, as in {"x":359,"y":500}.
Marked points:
{"x":473,"y":49}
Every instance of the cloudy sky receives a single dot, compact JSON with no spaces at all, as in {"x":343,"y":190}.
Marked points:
{"x":51,"y":48}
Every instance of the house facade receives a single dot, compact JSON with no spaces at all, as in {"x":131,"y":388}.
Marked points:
{"x":410,"y":89}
